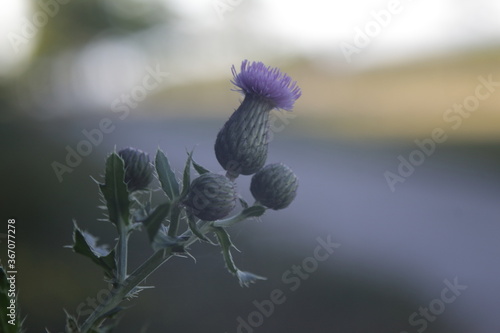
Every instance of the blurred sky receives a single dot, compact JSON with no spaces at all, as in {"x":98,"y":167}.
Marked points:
{"x":419,"y":28}
{"x":85,"y":55}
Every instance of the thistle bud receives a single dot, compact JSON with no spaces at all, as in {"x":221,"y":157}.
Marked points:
{"x":241,"y":144}
{"x":138,"y":169}
{"x":211,"y":197}
{"x":274,"y":186}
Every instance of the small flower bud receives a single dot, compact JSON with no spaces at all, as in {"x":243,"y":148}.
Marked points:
{"x":138,"y":169}
{"x":241,"y":145}
{"x":274,"y":186}
{"x":211,"y":197}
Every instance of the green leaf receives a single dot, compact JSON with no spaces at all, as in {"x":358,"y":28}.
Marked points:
{"x":253,"y":211}
{"x":245,"y":278}
{"x":5,"y":302}
{"x":162,"y":241}
{"x":186,"y":177}
{"x":225,"y":244}
{"x":85,"y":244}
{"x":166,"y":175}
{"x":154,"y":220}
{"x":194,"y":228}
{"x":200,"y":169}
{"x":115,"y":192}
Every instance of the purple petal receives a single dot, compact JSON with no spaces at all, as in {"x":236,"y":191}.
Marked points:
{"x":257,"y":79}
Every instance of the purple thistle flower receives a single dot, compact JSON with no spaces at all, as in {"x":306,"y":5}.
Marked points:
{"x":241,"y":145}
{"x":268,"y":83}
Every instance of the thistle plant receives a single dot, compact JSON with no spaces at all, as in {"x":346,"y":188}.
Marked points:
{"x":193,"y":210}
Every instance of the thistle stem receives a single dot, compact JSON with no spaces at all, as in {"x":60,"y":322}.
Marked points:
{"x":122,"y":254}
{"x":135,"y":278}
{"x":174,"y":219}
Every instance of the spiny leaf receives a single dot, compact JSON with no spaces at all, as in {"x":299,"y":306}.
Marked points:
{"x":200,"y":169}
{"x":85,"y":244}
{"x":225,"y":244}
{"x":253,"y":211}
{"x":154,"y":220}
{"x":134,"y":293}
{"x":186,"y":177}
{"x":245,"y":278}
{"x":115,"y":192}
{"x":163,"y":241}
{"x":71,"y":324}
{"x":166,"y":175}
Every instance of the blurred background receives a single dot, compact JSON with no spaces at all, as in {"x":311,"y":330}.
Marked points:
{"x":378,"y":79}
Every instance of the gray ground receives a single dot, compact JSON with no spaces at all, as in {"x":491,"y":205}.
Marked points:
{"x":396,"y":248}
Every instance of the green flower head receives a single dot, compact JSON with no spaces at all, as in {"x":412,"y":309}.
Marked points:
{"x":274,"y":186}
{"x":211,"y":197}
{"x":138,"y":169}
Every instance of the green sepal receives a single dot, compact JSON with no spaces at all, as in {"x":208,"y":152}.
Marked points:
{"x":4,"y":303}
{"x":166,"y":176}
{"x":245,"y":278}
{"x":85,"y":244}
{"x":115,"y":192}
{"x":153,"y":222}
{"x":200,"y":169}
